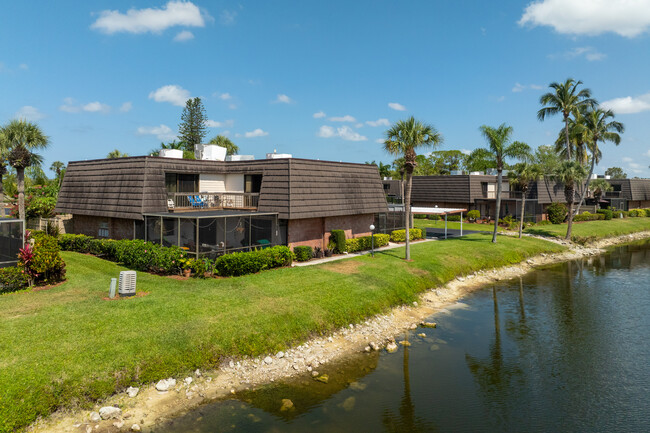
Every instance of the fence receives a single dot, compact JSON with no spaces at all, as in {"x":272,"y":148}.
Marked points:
{"x":11,"y":241}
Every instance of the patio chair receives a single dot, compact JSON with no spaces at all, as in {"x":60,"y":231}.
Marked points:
{"x":192,"y":202}
{"x":199,"y":201}
{"x":170,"y":203}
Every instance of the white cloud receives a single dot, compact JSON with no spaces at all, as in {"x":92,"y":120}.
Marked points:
{"x":23,"y":66}
{"x":217,"y":124}
{"x":359,"y":125}
{"x":69,"y":106}
{"x":380,"y":141}
{"x":183,"y":36}
{"x":378,"y":122}
{"x":346,"y":118}
{"x":589,"y":53}
{"x":396,"y":106}
{"x":518,"y":87}
{"x":154,"y":20}
{"x":163,"y":132}
{"x":127,"y":106}
{"x":255,"y":133}
{"x":227,"y":17}
{"x":224,"y":96}
{"x":171,"y":93}
{"x":345,"y":132}
{"x":96,"y":107}
{"x":465,"y":151}
{"x":628,"y":104}
{"x":627,"y":18}
{"x":647,"y":153}
{"x":283,"y":99}
{"x":627,"y":159}
{"x":29,"y":113}
{"x":232,"y":106}
{"x":319,"y":115}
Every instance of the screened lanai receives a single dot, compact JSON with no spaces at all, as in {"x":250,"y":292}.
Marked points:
{"x":213,"y":233}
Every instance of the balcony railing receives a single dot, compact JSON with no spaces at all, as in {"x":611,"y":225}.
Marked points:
{"x":612,"y":194}
{"x":212,"y":200}
{"x":504,"y":194}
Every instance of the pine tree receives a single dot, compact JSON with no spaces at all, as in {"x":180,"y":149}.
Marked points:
{"x":192,"y":128}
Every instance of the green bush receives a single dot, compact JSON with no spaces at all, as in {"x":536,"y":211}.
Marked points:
{"x":303,"y":253}
{"x":474,"y":215}
{"x":365,"y":242}
{"x":453,"y":217}
{"x":236,"y":264}
{"x":400,"y":235}
{"x":556,"y":212}
{"x":12,"y":279}
{"x":420,"y":216}
{"x":586,"y":216}
{"x":608,"y":214}
{"x":338,"y":236}
{"x":47,"y":262}
{"x":620,"y":213}
{"x":434,"y":217}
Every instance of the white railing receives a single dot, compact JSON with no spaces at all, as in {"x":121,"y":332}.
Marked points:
{"x":212,"y":200}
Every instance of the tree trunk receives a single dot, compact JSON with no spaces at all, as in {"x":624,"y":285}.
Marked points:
{"x":523,"y":210}
{"x":407,"y":209}
{"x":20,"y":183}
{"x":498,"y":205}
{"x":566,"y":135}
{"x":584,"y":191}
{"x":570,"y":194}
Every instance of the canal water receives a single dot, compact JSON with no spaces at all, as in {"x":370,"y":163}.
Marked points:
{"x":563,"y":349}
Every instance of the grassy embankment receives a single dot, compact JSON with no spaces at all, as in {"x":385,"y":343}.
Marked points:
{"x":453,"y":225}
{"x":587,"y":231}
{"x":66,"y":345}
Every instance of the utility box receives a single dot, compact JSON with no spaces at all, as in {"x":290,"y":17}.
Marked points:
{"x":127,"y":283}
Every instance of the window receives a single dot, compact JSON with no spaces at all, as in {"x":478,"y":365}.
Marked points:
{"x":252,"y":183}
{"x":176,"y":182}
{"x":103,"y":230}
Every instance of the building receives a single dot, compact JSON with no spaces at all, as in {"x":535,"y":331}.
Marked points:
{"x":211,"y":206}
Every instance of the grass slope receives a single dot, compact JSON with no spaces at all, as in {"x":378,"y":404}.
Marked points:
{"x":586,"y":231}
{"x":66,"y":346}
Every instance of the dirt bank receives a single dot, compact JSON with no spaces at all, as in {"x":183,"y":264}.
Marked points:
{"x":151,"y":407}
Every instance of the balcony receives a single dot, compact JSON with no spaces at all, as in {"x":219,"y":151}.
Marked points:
{"x":212,"y":200}
{"x":505,"y":195}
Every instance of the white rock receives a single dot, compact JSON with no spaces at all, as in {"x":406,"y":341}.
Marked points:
{"x":314,"y":373}
{"x":231,"y":364}
{"x":197,"y":373}
{"x":89,"y":429}
{"x":135,"y":427}
{"x":132,"y":391}
{"x":391,"y":347}
{"x":309,"y":368}
{"x":415,"y":304}
{"x":280,"y":355}
{"x":118,"y":424}
{"x":187,"y":380}
{"x":108,"y":412}
{"x":268,"y":360}
{"x":166,"y":384}
{"x":94,"y":417}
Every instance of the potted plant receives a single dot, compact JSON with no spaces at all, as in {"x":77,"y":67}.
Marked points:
{"x":186,"y":266}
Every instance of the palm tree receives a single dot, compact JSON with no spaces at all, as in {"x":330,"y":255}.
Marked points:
{"x":3,"y":167}
{"x":568,"y":173}
{"x":223,"y":141}
{"x":499,"y":149}
{"x":20,"y":137}
{"x":114,"y":154}
{"x":599,"y":129}
{"x":578,"y":137}
{"x":57,"y":167}
{"x":599,"y":187}
{"x":564,"y":99}
{"x":403,"y":139}
{"x":522,"y":175}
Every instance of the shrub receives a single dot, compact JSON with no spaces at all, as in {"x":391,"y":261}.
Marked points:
{"x":620,"y":214}
{"x":420,"y":216}
{"x":236,"y":264}
{"x":544,"y":223}
{"x":303,"y":253}
{"x":608,"y":214}
{"x":338,"y":236}
{"x":47,"y":262}
{"x":365,"y":242}
{"x":77,"y":243}
{"x":586,"y":216}
{"x":434,"y":217}
{"x":400,"y":235}
{"x":12,"y":279}
{"x":453,"y":217}
{"x":556,"y":212}
{"x":474,"y":215}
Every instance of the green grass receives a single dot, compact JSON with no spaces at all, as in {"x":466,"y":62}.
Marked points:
{"x":66,"y":347}
{"x":424,"y":223}
{"x":587,"y":231}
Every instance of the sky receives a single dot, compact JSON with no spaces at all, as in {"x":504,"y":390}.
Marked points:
{"x":319,"y":79}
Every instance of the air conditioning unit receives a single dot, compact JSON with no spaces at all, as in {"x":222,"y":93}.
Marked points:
{"x":127,"y":283}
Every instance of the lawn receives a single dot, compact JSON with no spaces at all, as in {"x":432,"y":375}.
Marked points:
{"x":66,"y":346}
{"x":453,"y":225}
{"x":586,"y":231}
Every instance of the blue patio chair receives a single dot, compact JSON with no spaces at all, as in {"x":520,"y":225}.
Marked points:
{"x":199,"y":201}
{"x":191,"y":200}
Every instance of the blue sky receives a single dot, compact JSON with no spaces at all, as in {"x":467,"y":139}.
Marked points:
{"x":318,"y":79}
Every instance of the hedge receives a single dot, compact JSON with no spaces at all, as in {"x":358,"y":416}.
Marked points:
{"x":586,"y":216}
{"x":236,"y":264}
{"x":337,"y":239}
{"x":365,"y":242}
{"x":608,"y":214}
{"x":400,"y":235}
{"x":303,"y":253}
{"x":12,"y":279}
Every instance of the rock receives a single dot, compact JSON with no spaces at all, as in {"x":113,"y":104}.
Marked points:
{"x":428,"y":324}
{"x":314,"y":373}
{"x":135,"y":427}
{"x":309,"y":368}
{"x":109,"y":412}
{"x":460,"y":278}
{"x":413,"y":326}
{"x":94,"y":417}
{"x":187,"y":380}
{"x":89,"y":429}
{"x":367,"y":349}
{"x":231,"y":364}
{"x":118,"y":424}
{"x":286,"y":405}
{"x":330,"y":339}
{"x":422,"y":334}
{"x":374,"y":346}
{"x":295,"y":367}
{"x":280,"y":355}
{"x":197,"y":373}
{"x":323,"y":378}
{"x":166,"y":384}
{"x":132,"y":391}
{"x":405,"y":343}
{"x":391,"y":347}
{"x":232,"y":390}
{"x":268,"y":360}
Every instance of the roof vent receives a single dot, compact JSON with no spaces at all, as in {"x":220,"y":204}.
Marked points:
{"x":240,"y":157}
{"x":276,"y":155}
{"x":127,"y":283}
{"x":171,"y":153}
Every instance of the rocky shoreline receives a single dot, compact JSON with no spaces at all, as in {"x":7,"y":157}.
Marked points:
{"x":145,"y":408}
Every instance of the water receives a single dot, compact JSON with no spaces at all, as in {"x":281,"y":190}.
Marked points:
{"x":564,"y":348}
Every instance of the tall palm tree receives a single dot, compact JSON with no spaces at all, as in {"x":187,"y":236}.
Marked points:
{"x":3,"y":166}
{"x":568,"y":173}
{"x":599,"y":187}
{"x":564,"y":99}
{"x":403,"y":139}
{"x":57,"y":167}
{"x":20,"y":137}
{"x":599,"y":129}
{"x":522,"y":175}
{"x":499,"y":148}
{"x":223,"y":141}
{"x":578,"y":137}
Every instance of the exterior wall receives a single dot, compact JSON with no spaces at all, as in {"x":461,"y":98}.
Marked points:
{"x":314,"y":232}
{"x":212,"y":183}
{"x":639,"y":204}
{"x":118,"y":228}
{"x":235,"y":182}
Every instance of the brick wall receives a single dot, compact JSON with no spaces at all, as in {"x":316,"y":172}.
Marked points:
{"x":314,"y":232}
{"x":118,"y":228}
